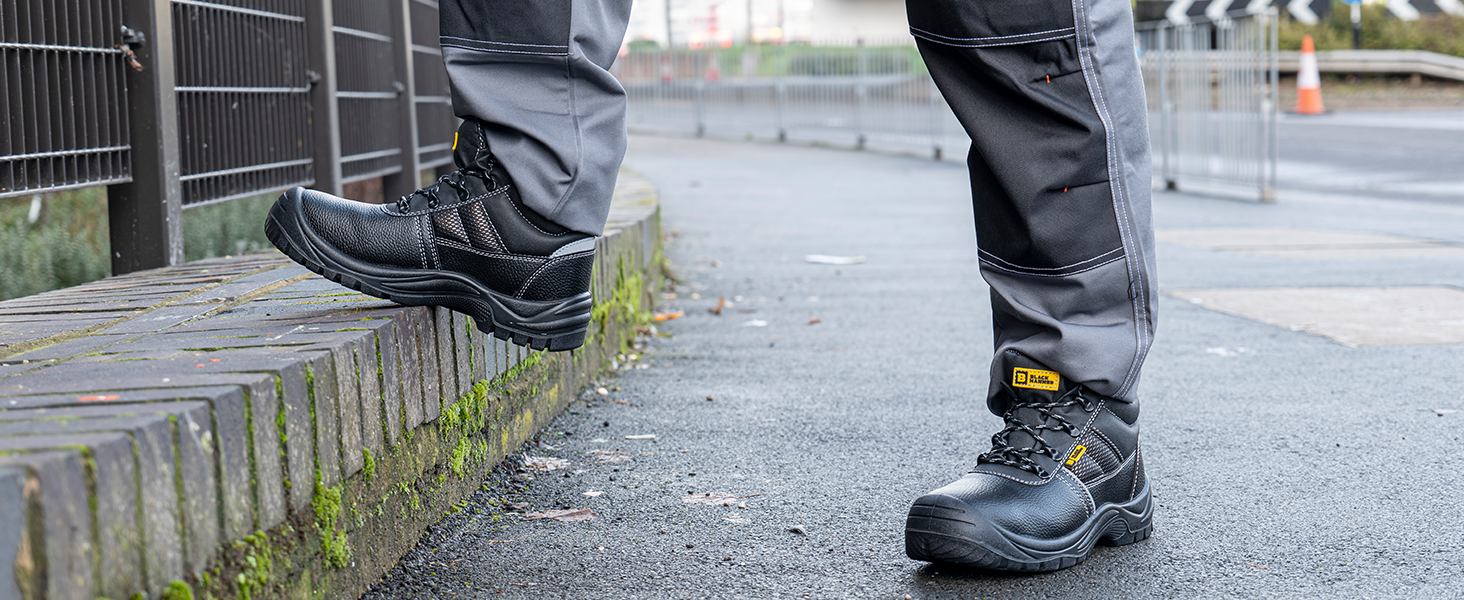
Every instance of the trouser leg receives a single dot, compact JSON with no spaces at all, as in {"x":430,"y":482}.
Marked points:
{"x":537,"y":73}
{"x":1051,"y":94}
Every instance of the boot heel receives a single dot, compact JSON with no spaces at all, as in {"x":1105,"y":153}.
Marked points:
{"x":1127,"y":537}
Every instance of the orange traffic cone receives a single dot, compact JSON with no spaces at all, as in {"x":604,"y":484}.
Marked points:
{"x":1308,"y":80}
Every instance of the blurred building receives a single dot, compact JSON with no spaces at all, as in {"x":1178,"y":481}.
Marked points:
{"x":703,"y":23}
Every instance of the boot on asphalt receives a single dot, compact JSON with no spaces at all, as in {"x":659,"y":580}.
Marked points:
{"x":1064,"y":474}
{"x":466,"y":242}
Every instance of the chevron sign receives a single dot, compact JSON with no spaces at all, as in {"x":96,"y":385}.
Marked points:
{"x":1309,"y":12}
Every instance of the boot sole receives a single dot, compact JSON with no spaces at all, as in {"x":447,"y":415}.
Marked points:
{"x":942,"y":534}
{"x":555,"y":325}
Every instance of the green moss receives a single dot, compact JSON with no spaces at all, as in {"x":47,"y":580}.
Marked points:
{"x":327,"y":504}
{"x":459,"y":460}
{"x":258,"y":565}
{"x":368,"y":470}
{"x":625,"y":303}
{"x":177,"y":590}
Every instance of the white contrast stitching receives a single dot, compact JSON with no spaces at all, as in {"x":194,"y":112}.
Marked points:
{"x":1079,"y":489}
{"x":531,"y":223}
{"x":1014,"y":272}
{"x":504,"y":51}
{"x":994,"y":37}
{"x":1002,"y":475}
{"x":1095,"y":91}
{"x":1138,"y":470}
{"x":479,"y":252}
{"x":995,"y":44}
{"x":453,"y":37}
{"x":1017,"y":266}
{"x":422,"y":240}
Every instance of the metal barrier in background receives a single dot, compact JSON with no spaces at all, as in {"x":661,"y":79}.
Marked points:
{"x":66,"y":83}
{"x":181,"y":103}
{"x":858,"y":94}
{"x":1212,"y":101}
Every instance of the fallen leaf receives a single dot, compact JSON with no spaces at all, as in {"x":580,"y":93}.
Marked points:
{"x":721,"y":304}
{"x":668,"y":296}
{"x":798,"y":529}
{"x":824,"y":259}
{"x":714,"y":499}
{"x":669,"y":316}
{"x":602,"y":391}
{"x":755,"y":323}
{"x":545,"y":463}
{"x":814,"y":320}
{"x":564,"y":516}
{"x":608,"y":456}
{"x":1440,"y":411}
{"x":648,"y":436}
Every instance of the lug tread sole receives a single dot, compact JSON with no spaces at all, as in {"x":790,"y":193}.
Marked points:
{"x":483,"y":316}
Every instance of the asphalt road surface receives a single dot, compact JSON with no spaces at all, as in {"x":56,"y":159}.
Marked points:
{"x":1285,"y":464}
{"x":1414,"y":155}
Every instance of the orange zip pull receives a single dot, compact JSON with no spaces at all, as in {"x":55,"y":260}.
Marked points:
{"x":1049,"y":79}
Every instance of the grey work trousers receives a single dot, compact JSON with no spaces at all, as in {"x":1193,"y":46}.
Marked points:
{"x":1049,"y":90}
{"x":537,"y":73}
{"x":1052,"y":97}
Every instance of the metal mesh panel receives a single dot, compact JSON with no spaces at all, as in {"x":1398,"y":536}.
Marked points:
{"x":435,"y":120}
{"x":243,"y":106}
{"x":61,"y":90}
{"x":861,"y":94}
{"x":368,"y":89}
{"x":1211,"y":88}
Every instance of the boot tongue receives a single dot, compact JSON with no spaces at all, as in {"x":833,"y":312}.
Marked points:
{"x":470,"y":147}
{"x":1034,"y":383}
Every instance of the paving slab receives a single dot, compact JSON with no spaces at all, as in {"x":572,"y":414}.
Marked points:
{"x":163,"y":426}
{"x":59,"y":494}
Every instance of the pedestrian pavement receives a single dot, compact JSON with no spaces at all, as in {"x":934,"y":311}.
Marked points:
{"x":1302,"y":406}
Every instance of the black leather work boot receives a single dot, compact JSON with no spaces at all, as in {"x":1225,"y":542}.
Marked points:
{"x":1064,"y":474}
{"x":466,"y":242}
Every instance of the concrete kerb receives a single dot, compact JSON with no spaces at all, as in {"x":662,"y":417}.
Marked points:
{"x":244,"y":429}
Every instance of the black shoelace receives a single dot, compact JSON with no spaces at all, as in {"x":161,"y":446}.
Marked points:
{"x":1004,"y":453}
{"x":453,"y":180}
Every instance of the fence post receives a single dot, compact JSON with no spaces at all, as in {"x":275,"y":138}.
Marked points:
{"x":1268,"y":192}
{"x":325,"y":115}
{"x":145,"y":216}
{"x":1166,"y":120}
{"x":701,"y":86}
{"x":409,"y":178}
{"x":937,"y":124}
{"x":780,"y":72}
{"x":861,"y":94}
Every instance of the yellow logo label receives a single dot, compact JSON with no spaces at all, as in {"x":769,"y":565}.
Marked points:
{"x":1076,"y":454}
{"x":1035,"y":379}
{"x":454,"y":141}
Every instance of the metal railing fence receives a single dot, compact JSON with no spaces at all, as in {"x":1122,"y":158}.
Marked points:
{"x":1212,"y":96}
{"x":181,"y":103}
{"x":859,"y":94}
{"x":60,"y":85}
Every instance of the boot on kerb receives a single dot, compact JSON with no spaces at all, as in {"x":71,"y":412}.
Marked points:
{"x":466,"y":242}
{"x":1064,"y":474}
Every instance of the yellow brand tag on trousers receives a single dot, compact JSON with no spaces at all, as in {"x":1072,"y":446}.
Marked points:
{"x":454,"y":141}
{"x":1036,"y":379}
